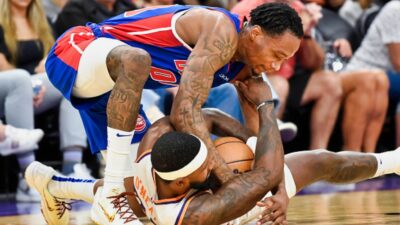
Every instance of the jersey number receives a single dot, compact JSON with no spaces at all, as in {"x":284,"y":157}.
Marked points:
{"x":164,"y":76}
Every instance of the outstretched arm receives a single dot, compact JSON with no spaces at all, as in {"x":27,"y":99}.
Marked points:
{"x":211,"y":52}
{"x":240,"y":194}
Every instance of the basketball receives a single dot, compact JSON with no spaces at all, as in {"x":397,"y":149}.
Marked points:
{"x":236,"y":153}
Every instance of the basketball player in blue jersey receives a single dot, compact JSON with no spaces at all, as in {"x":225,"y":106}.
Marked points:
{"x":103,"y":68}
{"x":166,"y":180}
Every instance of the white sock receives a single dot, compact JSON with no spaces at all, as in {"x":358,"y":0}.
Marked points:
{"x":118,"y":161}
{"x":72,"y":188}
{"x":388,"y":162}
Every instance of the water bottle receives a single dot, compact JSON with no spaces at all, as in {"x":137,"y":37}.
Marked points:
{"x":333,"y":61}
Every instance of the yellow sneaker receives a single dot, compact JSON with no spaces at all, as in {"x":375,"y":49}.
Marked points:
{"x":113,"y":209}
{"x":55,"y":210}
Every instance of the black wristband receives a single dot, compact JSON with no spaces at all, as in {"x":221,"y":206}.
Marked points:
{"x":267,"y":102}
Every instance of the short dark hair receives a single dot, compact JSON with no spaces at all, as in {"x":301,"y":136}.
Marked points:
{"x":276,"y":18}
{"x":174,"y":150}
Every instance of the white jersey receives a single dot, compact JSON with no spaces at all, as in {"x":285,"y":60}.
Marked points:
{"x":172,"y":211}
{"x":160,"y":212}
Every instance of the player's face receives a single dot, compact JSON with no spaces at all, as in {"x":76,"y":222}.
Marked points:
{"x":266,"y":53}
{"x":200,"y":176}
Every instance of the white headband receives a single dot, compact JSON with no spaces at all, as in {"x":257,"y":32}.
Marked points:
{"x":197,"y":161}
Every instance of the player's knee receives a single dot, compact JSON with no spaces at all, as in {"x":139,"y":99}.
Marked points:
{"x":129,"y":61}
{"x":141,"y":58}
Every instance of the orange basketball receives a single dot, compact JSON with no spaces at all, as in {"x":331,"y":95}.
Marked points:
{"x":236,"y":153}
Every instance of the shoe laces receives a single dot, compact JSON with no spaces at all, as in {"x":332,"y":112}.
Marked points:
{"x":62,"y":205}
{"x":120,"y":203}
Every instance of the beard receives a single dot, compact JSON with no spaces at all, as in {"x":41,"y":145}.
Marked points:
{"x":211,"y":183}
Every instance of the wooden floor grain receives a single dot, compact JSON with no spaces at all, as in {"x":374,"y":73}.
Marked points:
{"x":352,"y":208}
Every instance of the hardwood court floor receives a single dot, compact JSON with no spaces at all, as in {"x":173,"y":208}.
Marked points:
{"x":372,"y":207}
{"x":355,"y":208}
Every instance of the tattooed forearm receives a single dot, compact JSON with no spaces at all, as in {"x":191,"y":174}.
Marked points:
{"x":234,"y":199}
{"x":193,"y":92}
{"x":129,"y":67}
{"x":240,"y":194}
{"x":211,"y":52}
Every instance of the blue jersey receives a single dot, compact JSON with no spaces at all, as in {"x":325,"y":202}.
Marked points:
{"x":151,"y":29}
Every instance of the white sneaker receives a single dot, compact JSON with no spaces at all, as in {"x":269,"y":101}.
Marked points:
{"x":81,"y":171}
{"x":55,"y":210}
{"x":113,"y":209}
{"x":19,"y":140}
{"x":25,"y":193}
{"x":288,"y":130}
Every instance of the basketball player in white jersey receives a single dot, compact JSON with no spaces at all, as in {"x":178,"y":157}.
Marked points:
{"x":167,"y":179}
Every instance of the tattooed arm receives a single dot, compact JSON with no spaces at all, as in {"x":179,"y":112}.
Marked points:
{"x":215,"y":46}
{"x":250,"y":114}
{"x":240,"y":194}
{"x":223,"y":125}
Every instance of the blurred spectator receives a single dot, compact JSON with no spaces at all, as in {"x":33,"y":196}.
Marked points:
{"x":25,"y":38}
{"x":352,"y":10}
{"x":16,"y":100}
{"x":333,"y":5}
{"x":365,"y":91}
{"x":53,"y":7}
{"x":244,"y":7}
{"x":380,"y":52}
{"x":79,"y":12}
{"x":311,"y":84}
{"x":365,"y":96}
